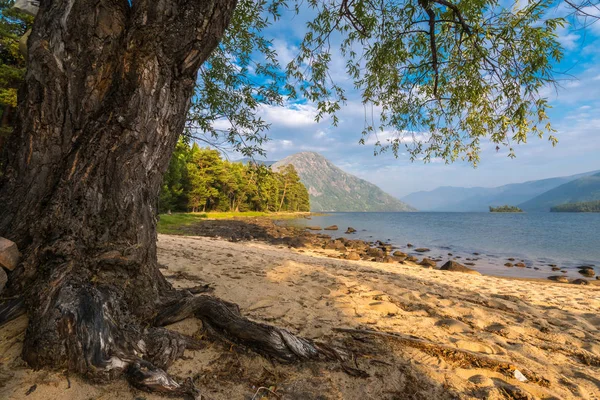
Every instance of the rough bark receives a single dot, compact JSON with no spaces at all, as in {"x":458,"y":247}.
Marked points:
{"x":105,"y":98}
{"x":107,"y":90}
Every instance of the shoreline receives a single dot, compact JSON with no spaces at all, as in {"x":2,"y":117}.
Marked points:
{"x":285,"y":231}
{"x":279,"y":230}
{"x":448,"y":332}
{"x":516,"y":264}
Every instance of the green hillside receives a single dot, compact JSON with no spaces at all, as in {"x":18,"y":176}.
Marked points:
{"x":587,"y":206}
{"x":584,"y":189}
{"x":332,"y":189}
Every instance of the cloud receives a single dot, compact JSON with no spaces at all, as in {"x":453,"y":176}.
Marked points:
{"x":388,"y":136}
{"x":286,"y":51}
{"x":567,"y":39}
{"x":291,"y":115}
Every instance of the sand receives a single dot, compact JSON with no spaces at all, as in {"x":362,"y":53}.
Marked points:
{"x":463,"y":335}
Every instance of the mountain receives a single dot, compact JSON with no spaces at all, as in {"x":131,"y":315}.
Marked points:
{"x":444,"y":198}
{"x":332,"y":189}
{"x":448,"y":198}
{"x":584,"y":189}
{"x":247,"y":160}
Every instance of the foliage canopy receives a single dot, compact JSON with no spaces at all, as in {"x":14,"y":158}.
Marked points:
{"x":441,"y":75}
{"x":438,"y":76}
{"x":199,"y":180}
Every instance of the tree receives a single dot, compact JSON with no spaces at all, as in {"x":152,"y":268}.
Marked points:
{"x":235,"y":185}
{"x":108,"y":86}
{"x":172,"y":195}
{"x":198,"y":179}
{"x":13,"y":25}
{"x":107,"y":91}
{"x":292,"y":191}
{"x":205,"y":173}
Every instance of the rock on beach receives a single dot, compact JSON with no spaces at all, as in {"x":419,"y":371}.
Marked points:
{"x":456,"y":267}
{"x":9,"y":254}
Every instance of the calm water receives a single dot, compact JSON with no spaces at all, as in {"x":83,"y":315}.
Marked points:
{"x":566,"y":239}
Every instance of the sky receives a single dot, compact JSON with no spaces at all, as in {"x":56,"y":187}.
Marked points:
{"x":575,"y":114}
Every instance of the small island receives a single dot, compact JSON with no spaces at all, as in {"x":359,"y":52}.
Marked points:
{"x":585,"y":206}
{"x":505,"y":209}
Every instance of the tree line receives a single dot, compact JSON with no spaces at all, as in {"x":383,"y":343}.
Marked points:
{"x":586,"y":206}
{"x":198,"y":179}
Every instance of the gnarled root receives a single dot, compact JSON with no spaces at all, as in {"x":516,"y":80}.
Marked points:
{"x":145,"y":376}
{"x":225,"y":320}
{"x":87,"y":329}
{"x":11,"y":309}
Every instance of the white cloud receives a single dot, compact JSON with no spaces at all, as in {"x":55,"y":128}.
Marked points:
{"x":387,"y":136}
{"x":291,"y":116}
{"x":286,"y":52}
{"x":222,"y":125}
{"x":585,"y":87}
{"x":567,"y":39}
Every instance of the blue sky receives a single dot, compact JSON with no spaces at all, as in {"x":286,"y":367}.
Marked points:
{"x":575,"y":114}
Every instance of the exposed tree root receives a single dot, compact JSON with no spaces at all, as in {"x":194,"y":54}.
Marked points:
{"x":224,"y":320}
{"x":88,"y":329}
{"x":11,"y":309}
{"x":464,"y":358}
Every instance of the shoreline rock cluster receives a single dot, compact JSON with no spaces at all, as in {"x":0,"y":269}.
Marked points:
{"x":265,"y":229}
{"x":312,"y":237}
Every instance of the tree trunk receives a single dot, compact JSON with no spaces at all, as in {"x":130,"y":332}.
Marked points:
{"x":282,"y":197}
{"x":106,"y":94}
{"x":105,"y":99}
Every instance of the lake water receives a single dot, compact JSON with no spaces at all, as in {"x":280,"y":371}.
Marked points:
{"x":565,"y":239}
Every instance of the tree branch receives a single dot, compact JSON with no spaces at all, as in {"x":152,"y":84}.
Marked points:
{"x":434,"y":57}
{"x":457,"y":12}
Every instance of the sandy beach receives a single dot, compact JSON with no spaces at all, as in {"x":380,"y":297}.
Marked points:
{"x":418,"y":333}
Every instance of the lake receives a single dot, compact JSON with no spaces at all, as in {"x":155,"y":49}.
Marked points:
{"x":565,"y":239}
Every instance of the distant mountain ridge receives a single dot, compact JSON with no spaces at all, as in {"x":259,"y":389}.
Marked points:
{"x":247,"y":160}
{"x":448,"y":198}
{"x":584,"y":189}
{"x":332,"y":189}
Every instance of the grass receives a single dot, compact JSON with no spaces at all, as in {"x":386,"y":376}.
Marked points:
{"x":171,"y":224}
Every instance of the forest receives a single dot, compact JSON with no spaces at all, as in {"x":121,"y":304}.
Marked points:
{"x":198,"y":179}
{"x":584,"y":206}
